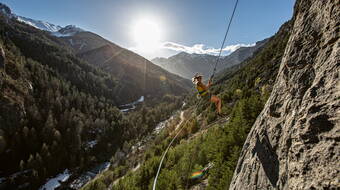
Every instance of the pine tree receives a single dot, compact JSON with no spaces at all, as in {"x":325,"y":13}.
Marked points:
{"x":57,"y":135}
{"x":25,"y":132}
{"x":22,"y":165}
{"x":49,"y":128}
{"x":31,"y":162}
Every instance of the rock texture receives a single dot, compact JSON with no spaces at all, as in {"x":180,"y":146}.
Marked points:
{"x":294,"y":143}
{"x":2,"y":57}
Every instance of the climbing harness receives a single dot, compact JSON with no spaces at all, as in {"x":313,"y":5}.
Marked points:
{"x":201,"y":91}
{"x":212,"y":76}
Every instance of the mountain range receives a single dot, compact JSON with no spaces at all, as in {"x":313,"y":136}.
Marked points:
{"x":186,"y":65}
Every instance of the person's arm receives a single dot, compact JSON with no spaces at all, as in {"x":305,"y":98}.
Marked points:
{"x":209,"y":84}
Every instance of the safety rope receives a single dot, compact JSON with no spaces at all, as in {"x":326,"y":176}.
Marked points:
{"x":225,"y":37}
{"x":170,"y":144}
{"x":212,"y":76}
{"x":167,"y":149}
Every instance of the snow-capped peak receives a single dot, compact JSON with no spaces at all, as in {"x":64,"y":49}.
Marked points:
{"x":42,"y":25}
{"x":68,"y":30}
{"x":71,"y":28}
{"x":55,"y":30}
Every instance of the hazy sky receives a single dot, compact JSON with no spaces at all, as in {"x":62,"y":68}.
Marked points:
{"x":195,"y":26}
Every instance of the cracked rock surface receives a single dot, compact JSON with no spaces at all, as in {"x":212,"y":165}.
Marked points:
{"x":294,"y":143}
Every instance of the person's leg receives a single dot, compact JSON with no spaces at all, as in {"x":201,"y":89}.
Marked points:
{"x":217,"y":102}
{"x":219,"y":105}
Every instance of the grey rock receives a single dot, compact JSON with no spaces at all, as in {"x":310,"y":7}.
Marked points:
{"x":2,"y":58}
{"x":294,"y":143}
{"x":4,"y":9}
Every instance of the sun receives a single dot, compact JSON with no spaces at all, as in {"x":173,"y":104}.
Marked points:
{"x":147,"y":35}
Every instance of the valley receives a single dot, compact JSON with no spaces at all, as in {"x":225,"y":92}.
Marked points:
{"x":78,"y":111}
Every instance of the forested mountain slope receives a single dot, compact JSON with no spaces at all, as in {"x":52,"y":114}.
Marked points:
{"x":205,"y":138}
{"x":53,"y":106}
{"x":137,"y":76}
{"x":134,"y":75}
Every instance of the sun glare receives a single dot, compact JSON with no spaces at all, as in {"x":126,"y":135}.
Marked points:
{"x":147,"y":35}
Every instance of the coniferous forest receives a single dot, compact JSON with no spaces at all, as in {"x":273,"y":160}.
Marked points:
{"x":80,"y":111}
{"x":53,"y":104}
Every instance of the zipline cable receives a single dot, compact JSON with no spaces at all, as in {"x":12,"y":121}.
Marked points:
{"x":225,"y":37}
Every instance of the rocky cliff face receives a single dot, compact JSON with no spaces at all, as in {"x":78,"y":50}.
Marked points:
{"x":294,"y":144}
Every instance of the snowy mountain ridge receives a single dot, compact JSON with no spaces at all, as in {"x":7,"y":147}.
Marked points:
{"x":186,"y":64}
{"x":68,"y":30}
{"x":42,"y":25}
{"x":55,"y":30}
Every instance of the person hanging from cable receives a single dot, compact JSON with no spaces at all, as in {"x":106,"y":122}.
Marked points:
{"x":203,"y":91}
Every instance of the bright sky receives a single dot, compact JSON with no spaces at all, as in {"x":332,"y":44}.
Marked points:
{"x":161,"y":28}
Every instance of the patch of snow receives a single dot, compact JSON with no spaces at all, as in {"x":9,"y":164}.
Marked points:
{"x":69,"y":30}
{"x":55,"y":30}
{"x":53,"y":183}
{"x":91,"y":144}
{"x":42,"y":25}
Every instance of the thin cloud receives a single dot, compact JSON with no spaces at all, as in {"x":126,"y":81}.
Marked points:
{"x":200,"y":48}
